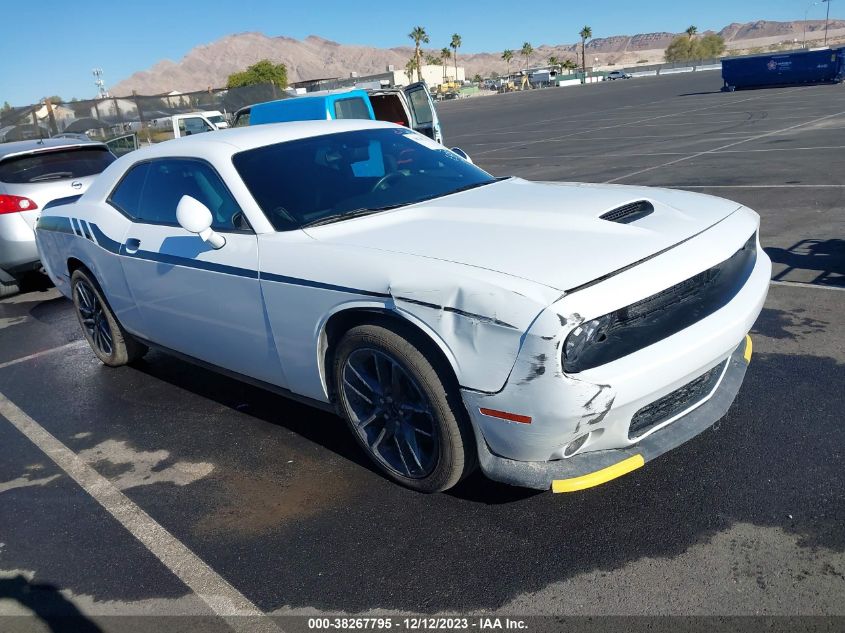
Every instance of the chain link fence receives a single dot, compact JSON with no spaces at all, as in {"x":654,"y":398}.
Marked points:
{"x":125,"y":122}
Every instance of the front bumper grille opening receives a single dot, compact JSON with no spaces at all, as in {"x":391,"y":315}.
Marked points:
{"x":675,"y":402}
{"x":667,"y":312}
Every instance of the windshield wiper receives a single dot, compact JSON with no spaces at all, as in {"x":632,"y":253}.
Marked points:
{"x":52,"y":176}
{"x":347,"y":215}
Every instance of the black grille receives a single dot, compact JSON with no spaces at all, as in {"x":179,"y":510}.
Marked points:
{"x":672,"y":404}
{"x":629,"y":213}
{"x":667,"y":312}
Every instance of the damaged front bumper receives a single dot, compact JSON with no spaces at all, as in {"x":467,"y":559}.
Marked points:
{"x":588,"y":469}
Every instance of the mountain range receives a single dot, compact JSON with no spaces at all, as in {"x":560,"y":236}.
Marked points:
{"x":209,"y":65}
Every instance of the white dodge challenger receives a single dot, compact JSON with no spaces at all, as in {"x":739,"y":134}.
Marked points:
{"x":557,"y":335}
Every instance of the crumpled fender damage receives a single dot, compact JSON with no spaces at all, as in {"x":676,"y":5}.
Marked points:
{"x":483,"y":325}
{"x":562,"y":407}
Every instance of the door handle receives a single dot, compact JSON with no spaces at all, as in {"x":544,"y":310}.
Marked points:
{"x":132,"y":245}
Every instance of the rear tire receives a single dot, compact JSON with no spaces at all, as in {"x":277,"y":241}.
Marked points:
{"x":403,"y":408}
{"x":107,"y":338}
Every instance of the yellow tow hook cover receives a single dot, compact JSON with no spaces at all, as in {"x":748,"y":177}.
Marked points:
{"x":747,"y":353}
{"x":598,"y":477}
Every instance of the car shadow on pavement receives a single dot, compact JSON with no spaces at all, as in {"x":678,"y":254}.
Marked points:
{"x":824,"y":257}
{"x":772,"y":462}
{"x":315,"y":425}
{"x":48,"y":605}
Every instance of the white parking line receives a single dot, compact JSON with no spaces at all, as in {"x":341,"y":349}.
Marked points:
{"x":610,"y":127}
{"x":634,"y":155}
{"x":724,"y":147}
{"x":52,"y":350}
{"x":223,"y":599}
{"x":825,"y":186}
{"x":801,"y":284}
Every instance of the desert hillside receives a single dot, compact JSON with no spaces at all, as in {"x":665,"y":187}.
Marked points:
{"x":210,"y":64}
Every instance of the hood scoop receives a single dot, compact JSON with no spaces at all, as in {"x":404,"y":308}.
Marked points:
{"x":628,"y":213}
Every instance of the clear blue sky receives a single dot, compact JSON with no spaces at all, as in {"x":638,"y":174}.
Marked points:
{"x":50,"y":47}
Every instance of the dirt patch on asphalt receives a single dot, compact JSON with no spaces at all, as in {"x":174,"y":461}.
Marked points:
{"x":257,"y":503}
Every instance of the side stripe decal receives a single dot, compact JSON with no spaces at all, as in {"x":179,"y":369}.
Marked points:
{"x":52,"y":223}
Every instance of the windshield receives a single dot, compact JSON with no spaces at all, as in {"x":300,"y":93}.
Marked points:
{"x":336,"y":176}
{"x":60,"y":164}
{"x":216,"y":118}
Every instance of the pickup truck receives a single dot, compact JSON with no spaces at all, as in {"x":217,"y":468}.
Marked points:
{"x":410,"y":106}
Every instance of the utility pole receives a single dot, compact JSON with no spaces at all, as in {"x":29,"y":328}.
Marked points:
{"x":806,"y":13}
{"x":827,"y":17}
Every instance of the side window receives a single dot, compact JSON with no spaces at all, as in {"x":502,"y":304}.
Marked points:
{"x":168,"y":180}
{"x":127,"y":195}
{"x":242,"y":119}
{"x":421,"y":106}
{"x":353,"y":108}
{"x":193,"y":125}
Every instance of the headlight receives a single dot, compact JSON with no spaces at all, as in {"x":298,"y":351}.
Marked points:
{"x":585,"y":335}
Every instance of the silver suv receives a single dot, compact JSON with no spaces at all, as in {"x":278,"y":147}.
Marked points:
{"x":32,"y":174}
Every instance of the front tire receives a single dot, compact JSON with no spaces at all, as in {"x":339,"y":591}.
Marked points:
{"x":9,"y":288}
{"x":402,"y":408}
{"x":107,"y":338}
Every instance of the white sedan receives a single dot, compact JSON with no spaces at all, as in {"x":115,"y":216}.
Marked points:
{"x":557,"y":335}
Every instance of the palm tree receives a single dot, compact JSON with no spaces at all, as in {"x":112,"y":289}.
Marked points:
{"x":585,"y":33}
{"x":445,"y":54}
{"x":455,"y":44}
{"x":409,"y":69}
{"x":691,"y":31}
{"x":570,"y":65}
{"x":554,"y":61}
{"x":507,"y":55}
{"x":432,"y":60}
{"x":527,"y":51}
{"x":419,"y":36}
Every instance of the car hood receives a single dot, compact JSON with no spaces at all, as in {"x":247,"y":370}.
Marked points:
{"x":549,"y":233}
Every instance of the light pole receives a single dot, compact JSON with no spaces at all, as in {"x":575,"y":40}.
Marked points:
{"x":804,"y":45}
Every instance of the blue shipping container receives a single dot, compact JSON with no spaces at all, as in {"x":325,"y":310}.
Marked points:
{"x":783,"y":69}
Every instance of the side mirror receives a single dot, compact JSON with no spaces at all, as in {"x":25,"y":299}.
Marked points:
{"x":194,"y":217}
{"x":462,"y":154}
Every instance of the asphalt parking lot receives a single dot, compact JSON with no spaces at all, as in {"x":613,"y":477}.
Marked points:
{"x":268,"y":506}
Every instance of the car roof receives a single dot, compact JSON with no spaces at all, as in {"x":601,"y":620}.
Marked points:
{"x":233,"y":140}
{"x":28,"y":147}
{"x":222,"y":144}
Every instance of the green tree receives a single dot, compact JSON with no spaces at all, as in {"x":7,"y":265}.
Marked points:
{"x":684,"y":49}
{"x":679,"y":49}
{"x":477,"y":78}
{"x":410,"y":67}
{"x":507,"y":55}
{"x":569,"y":65}
{"x":711,"y":45}
{"x":263,"y":72}
{"x":55,"y":99}
{"x":554,"y":62}
{"x":6,"y":106}
{"x":420,"y":37}
{"x":445,"y":54}
{"x":585,"y":33}
{"x":527,"y":51}
{"x":455,"y":44}
{"x":691,"y":31}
